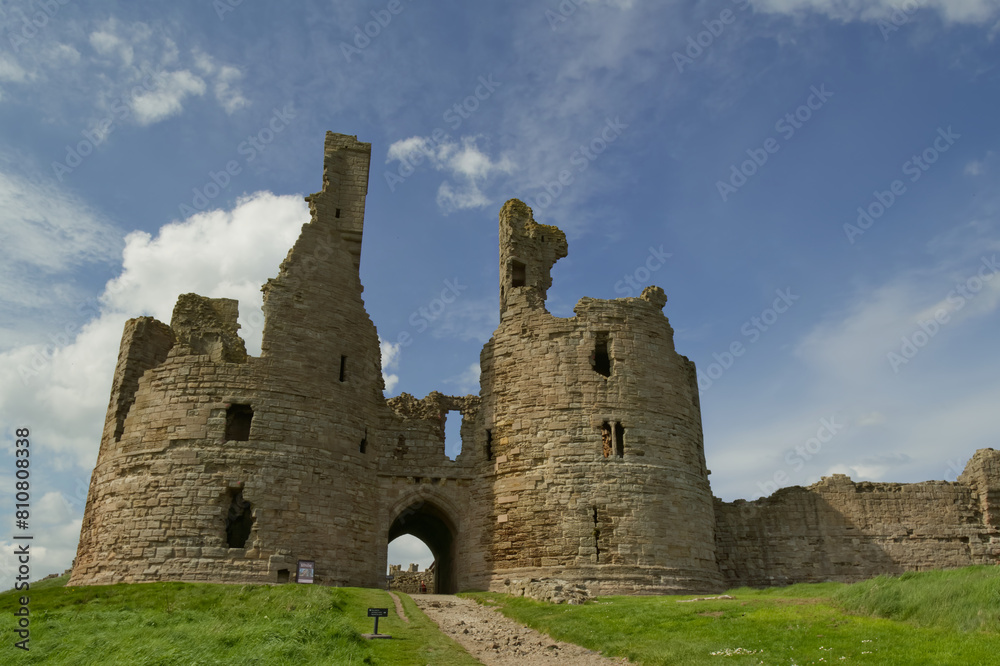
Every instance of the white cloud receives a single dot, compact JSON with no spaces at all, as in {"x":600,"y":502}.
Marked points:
{"x":10,"y":70}
{"x":463,"y":160}
{"x":390,"y":359}
{"x":955,"y":11}
{"x":167,"y":99}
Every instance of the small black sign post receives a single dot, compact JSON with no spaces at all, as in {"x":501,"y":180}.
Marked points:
{"x":377,"y":613}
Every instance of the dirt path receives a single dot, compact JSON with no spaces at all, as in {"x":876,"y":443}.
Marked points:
{"x":496,"y":640}
{"x":399,"y":608}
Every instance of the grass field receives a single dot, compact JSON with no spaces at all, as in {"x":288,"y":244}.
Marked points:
{"x":939,"y":617}
{"x":190,"y":623}
{"x":942,"y":617}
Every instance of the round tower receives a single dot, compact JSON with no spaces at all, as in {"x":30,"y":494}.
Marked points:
{"x":599,"y":474}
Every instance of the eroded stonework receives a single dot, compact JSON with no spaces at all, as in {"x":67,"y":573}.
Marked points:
{"x":582,"y":468}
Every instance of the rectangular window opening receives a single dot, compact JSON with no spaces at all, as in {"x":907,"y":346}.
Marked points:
{"x":453,"y":434}
{"x":601,"y":360}
{"x":336,"y":213}
{"x":489,"y":445}
{"x":619,"y":439}
{"x":364,"y":443}
{"x":343,"y":367}
{"x":283,"y":575}
{"x":518,"y":274}
{"x":606,"y":439}
{"x":238,"y":418}
{"x":597,"y":536}
{"x":239,"y":520}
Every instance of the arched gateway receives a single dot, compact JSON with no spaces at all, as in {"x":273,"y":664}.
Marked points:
{"x":429,"y":523}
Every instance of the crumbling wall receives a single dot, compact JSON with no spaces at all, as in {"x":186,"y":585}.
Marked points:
{"x":639,"y":519}
{"x":841,"y":530}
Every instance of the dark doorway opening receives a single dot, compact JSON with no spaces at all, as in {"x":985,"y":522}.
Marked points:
{"x":239,"y":520}
{"x":238,"y":418}
{"x":430,"y":524}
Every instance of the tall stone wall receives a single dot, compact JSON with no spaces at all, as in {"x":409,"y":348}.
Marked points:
{"x":599,"y":474}
{"x":841,"y":530}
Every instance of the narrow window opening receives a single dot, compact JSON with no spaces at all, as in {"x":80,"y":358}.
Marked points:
{"x":597,"y":536}
{"x":619,"y":439}
{"x":601,"y":361}
{"x":517,"y":274}
{"x":239,"y":520}
{"x":452,"y":434}
{"x":606,"y":439}
{"x":364,"y":442}
{"x":343,"y":367}
{"x":238,"y":418}
{"x":336,"y":213}
{"x":282,"y":575}
{"x":489,"y":445}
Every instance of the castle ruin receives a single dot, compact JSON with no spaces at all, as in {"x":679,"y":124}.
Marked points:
{"x":582,"y":464}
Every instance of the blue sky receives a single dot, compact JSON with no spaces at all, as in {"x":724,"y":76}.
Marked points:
{"x":813,"y":183}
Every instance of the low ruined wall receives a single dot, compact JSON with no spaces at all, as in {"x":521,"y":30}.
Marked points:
{"x":840,"y":530}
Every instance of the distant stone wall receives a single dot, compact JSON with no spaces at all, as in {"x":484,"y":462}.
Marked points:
{"x":842,"y":530}
{"x":409,"y":581}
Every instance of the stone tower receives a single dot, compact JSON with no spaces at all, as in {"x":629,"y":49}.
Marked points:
{"x":599,"y":472}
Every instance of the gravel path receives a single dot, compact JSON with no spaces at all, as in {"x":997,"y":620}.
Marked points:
{"x":496,"y":640}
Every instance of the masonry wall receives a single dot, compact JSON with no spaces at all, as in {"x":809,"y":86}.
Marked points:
{"x":841,"y":530}
{"x":637,"y":518}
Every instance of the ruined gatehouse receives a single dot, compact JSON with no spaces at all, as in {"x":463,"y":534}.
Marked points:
{"x":582,"y":469}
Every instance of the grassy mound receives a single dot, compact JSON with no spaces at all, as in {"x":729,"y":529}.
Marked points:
{"x":960,"y":599}
{"x":191,"y":623}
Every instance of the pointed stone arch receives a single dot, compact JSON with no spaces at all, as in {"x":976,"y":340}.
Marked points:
{"x":432,"y":520}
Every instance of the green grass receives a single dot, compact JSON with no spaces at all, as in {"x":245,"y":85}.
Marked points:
{"x":960,"y":599}
{"x":950,"y":620}
{"x":192,"y":623}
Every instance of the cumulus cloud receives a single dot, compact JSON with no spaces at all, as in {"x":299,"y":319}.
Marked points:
{"x":463,"y":160}
{"x":467,"y":381}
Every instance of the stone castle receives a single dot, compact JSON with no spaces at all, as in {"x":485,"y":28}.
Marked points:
{"x":582,"y":466}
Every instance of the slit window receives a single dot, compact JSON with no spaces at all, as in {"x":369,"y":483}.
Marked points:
{"x":239,"y":520}
{"x":343,"y":367}
{"x":619,"y":439}
{"x":601,"y":360}
{"x":606,"y":444}
{"x":489,"y":445}
{"x":238,"y":418}
{"x":518,"y":276}
{"x":336,"y":213}
{"x":364,"y":443}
